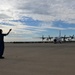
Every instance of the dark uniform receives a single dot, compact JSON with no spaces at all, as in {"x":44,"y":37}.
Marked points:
{"x":2,"y":44}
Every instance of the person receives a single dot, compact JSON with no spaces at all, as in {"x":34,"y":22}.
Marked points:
{"x":2,"y":42}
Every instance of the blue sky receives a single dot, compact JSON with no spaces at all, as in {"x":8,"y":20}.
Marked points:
{"x":34,"y":18}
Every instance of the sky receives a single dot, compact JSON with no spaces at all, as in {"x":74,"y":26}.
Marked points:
{"x":33,"y":18}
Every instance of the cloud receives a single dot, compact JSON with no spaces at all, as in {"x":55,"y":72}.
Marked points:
{"x":4,"y":16}
{"x":44,"y":10}
{"x":51,"y":9}
{"x":31,"y":17}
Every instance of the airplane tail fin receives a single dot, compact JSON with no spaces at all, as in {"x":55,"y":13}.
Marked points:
{"x":59,"y":33}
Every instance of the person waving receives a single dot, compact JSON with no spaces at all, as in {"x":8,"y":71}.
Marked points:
{"x":2,"y":42}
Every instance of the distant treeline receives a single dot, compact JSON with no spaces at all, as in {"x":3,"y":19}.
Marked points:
{"x":41,"y":42}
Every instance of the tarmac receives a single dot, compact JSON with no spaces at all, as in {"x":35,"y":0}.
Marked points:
{"x":38,"y":59}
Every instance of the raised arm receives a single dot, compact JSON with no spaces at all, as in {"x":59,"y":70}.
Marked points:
{"x":9,"y":31}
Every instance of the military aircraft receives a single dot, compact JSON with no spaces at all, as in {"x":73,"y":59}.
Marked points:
{"x":58,"y":39}
{"x":61,"y":39}
{"x":46,"y":38}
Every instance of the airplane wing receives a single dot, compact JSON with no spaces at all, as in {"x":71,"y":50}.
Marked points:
{"x":67,"y":37}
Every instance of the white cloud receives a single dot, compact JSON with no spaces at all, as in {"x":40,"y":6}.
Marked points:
{"x":41,"y":9}
{"x":44,"y":10}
